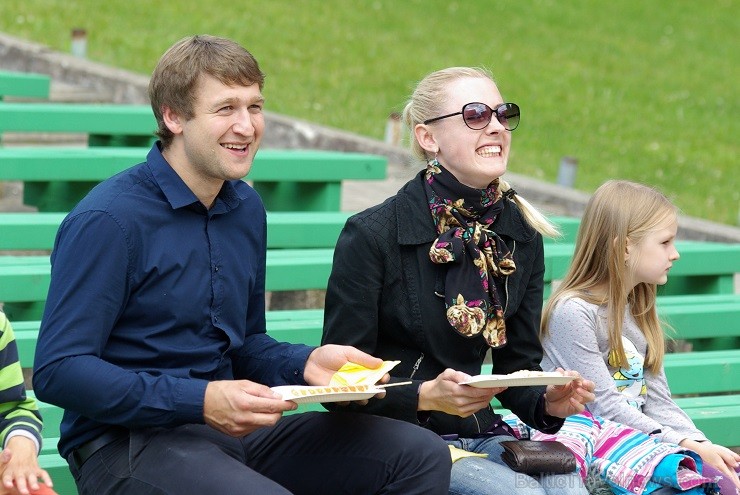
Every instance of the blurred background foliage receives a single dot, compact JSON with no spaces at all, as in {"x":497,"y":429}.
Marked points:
{"x":646,"y":91}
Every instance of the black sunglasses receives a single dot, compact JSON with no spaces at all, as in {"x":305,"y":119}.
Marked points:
{"x":478,"y":115}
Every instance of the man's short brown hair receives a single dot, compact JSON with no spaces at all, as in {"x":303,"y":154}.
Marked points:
{"x":174,"y":80}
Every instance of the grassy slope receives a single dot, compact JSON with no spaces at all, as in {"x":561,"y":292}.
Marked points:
{"x":640,"y":90}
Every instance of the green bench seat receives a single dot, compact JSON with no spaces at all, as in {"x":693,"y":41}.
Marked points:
{"x":24,"y":85}
{"x":288,"y":180}
{"x":709,"y":372}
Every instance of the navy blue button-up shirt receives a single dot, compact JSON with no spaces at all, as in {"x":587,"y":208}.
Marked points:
{"x":152,"y":296}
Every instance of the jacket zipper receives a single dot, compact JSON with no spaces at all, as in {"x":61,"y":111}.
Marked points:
{"x":416,"y":365}
{"x":506,"y":284}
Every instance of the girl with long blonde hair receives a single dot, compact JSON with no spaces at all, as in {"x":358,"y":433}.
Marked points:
{"x":602,"y":319}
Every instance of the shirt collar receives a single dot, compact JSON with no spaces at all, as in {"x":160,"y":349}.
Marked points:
{"x":179,"y":195}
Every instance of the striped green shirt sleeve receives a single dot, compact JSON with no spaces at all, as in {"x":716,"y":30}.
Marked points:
{"x":17,"y":410}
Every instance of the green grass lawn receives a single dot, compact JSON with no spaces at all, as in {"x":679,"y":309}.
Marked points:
{"x":641,"y":90}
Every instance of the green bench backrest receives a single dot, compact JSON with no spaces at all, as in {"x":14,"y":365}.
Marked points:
{"x":24,"y":85}
{"x":105,"y":119}
{"x":36,"y":231}
{"x":288,"y":180}
{"x":94,"y":164}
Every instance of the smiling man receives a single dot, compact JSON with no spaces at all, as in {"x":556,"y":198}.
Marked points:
{"x":153,"y":339}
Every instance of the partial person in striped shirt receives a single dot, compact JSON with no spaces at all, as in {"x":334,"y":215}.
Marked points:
{"x":20,"y":425}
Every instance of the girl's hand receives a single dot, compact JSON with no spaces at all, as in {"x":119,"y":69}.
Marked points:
{"x":445,"y":394}
{"x":19,"y":466}
{"x":564,"y":400}
{"x":722,"y":458}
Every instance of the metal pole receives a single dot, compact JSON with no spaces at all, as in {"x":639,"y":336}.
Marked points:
{"x":567,"y":171}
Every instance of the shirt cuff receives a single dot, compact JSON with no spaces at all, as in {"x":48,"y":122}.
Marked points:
{"x":545,"y":422}
{"x":23,"y":433}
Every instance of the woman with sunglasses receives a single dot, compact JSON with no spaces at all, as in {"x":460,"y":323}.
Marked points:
{"x":447,"y":271}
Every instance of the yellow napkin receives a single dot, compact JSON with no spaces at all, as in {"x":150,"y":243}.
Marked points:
{"x":458,"y":454}
{"x":354,"y":374}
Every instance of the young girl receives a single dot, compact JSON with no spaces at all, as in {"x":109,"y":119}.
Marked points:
{"x":602,"y":319}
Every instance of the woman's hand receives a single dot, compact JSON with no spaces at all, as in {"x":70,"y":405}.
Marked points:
{"x":564,"y":400}
{"x":20,"y":467}
{"x":445,"y":394}
{"x":722,"y":458}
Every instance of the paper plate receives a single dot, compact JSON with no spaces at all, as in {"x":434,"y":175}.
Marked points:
{"x":307,"y":394}
{"x":518,"y":379}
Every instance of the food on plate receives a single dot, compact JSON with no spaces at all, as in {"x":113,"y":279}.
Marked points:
{"x":306,"y":391}
{"x":529,"y":373}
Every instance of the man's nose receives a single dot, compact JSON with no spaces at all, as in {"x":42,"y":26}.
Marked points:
{"x":243,"y":123}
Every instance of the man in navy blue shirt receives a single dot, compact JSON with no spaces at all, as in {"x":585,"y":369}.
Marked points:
{"x":153,"y":338}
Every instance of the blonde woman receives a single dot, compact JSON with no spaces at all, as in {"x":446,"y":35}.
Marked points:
{"x":602,"y":319}
{"x":450,"y":269}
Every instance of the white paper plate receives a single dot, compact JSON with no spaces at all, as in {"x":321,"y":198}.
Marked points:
{"x":515,"y":380}
{"x":306,"y":394}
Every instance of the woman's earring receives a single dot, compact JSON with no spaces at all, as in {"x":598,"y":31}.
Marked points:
{"x":432,"y":162}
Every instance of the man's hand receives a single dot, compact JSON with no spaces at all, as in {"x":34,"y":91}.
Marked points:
{"x":326,"y":360}
{"x":565,"y":400}
{"x":20,"y":467}
{"x":238,"y":407}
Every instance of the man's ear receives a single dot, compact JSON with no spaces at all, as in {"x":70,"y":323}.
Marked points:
{"x":172,"y":120}
{"x":425,"y":138}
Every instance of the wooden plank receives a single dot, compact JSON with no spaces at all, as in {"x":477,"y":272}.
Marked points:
{"x":301,"y":327}
{"x":701,"y":320}
{"x":287,"y":269}
{"x":24,"y":84}
{"x":119,"y":119}
{"x":716,"y":423}
{"x":568,"y":227}
{"x":703,"y":372}
{"x":697,"y":258}
{"x":36,"y":231}
{"x":704,"y":267}
{"x":99,"y":163}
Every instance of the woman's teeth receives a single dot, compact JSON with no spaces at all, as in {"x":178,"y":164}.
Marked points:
{"x":489,"y":151}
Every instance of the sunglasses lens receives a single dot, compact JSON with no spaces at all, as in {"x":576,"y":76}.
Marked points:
{"x":477,"y":115}
{"x":508,"y":115}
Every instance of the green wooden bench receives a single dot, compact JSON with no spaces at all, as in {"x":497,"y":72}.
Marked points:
{"x":300,"y":229}
{"x":24,"y":280}
{"x":106,"y":124}
{"x":712,"y":374}
{"x":287,"y":180}
{"x":35,"y":231}
{"x":24,"y":85}
{"x":687,"y":372}
{"x":704,"y":267}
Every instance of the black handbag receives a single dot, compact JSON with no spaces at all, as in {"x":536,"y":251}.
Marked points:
{"x":533,"y":457}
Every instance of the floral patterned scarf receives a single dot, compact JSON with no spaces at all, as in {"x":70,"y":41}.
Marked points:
{"x":475,"y":254}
